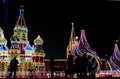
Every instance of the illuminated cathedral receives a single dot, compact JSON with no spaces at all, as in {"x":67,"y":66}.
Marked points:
{"x":29,"y":57}
{"x":33,"y":56}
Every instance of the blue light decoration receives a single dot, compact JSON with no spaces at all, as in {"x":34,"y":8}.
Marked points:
{"x":21,"y":29}
{"x":21,"y":12}
{"x":3,"y":48}
{"x":3,"y":42}
{"x":28,"y":47}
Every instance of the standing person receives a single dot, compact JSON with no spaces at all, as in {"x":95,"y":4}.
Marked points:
{"x":90,"y":68}
{"x":85,"y":65}
{"x":78,"y":66}
{"x":70,"y":70}
{"x":52,"y":64}
{"x":13,"y":67}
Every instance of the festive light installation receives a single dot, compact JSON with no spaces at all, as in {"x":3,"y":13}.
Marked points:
{"x":73,"y":42}
{"x":3,"y":52}
{"x":29,"y":57}
{"x":83,"y":47}
{"x":38,"y":56}
{"x":115,"y":58}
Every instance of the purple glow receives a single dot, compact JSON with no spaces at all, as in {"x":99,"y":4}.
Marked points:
{"x":114,"y":59}
{"x":84,"y":47}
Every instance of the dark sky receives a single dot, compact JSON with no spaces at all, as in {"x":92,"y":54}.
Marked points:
{"x":52,"y":21}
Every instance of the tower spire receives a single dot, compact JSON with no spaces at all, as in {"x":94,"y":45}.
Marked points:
{"x":2,"y":37}
{"x":72,"y":41}
{"x":72,"y":36}
{"x":20,"y":30}
{"x":21,"y":21}
{"x":21,"y":11}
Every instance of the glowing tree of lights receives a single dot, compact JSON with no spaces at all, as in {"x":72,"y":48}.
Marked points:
{"x":115,"y":58}
{"x":84,"y":47}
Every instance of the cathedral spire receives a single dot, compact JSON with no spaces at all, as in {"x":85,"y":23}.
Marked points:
{"x":21,"y":11}
{"x":72,"y":41}
{"x":20,"y":30}
{"x":72,"y":36}
{"x":2,"y":37}
{"x":21,"y":21}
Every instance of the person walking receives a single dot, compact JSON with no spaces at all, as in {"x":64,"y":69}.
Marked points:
{"x":85,"y":65}
{"x":78,"y":66}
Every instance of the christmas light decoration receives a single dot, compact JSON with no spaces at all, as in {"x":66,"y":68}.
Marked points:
{"x":115,"y":58}
{"x":76,"y":48}
{"x":28,"y":56}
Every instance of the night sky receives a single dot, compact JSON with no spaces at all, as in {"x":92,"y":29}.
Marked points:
{"x":52,"y":21}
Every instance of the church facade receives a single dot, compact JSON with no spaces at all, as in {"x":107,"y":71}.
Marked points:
{"x":29,"y":57}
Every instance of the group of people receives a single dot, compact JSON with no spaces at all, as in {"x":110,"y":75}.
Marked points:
{"x":80,"y":65}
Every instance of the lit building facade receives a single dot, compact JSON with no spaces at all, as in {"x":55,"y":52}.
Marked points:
{"x":3,"y":52}
{"x":29,"y":57}
{"x":32,"y":57}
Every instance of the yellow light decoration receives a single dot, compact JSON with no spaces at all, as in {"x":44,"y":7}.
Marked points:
{"x":2,"y":38}
{"x":109,"y":65}
{"x":96,"y":60}
{"x":38,"y":40}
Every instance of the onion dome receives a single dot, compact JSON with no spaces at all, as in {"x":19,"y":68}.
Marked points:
{"x":2,"y":38}
{"x":38,"y":40}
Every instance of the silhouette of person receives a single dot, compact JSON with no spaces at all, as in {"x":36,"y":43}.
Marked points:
{"x":70,"y":65}
{"x":90,"y":68}
{"x":85,"y":65}
{"x":13,"y":67}
{"x":51,"y":64}
{"x":78,"y":66}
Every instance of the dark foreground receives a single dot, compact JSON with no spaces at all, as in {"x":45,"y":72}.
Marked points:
{"x":66,"y":78}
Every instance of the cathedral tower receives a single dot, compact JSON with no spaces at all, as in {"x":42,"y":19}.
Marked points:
{"x":73,"y":41}
{"x":20,"y":36}
{"x":39,"y":54}
{"x":3,"y":52}
{"x":20,"y":46}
